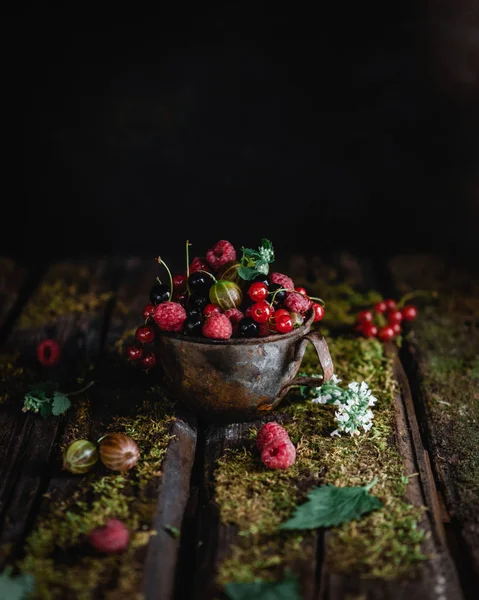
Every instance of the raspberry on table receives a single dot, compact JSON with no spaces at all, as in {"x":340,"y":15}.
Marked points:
{"x":217,"y":327}
{"x":234,"y":315}
{"x":170,"y":316}
{"x":221,"y":253}
{"x":283,"y":280}
{"x":111,"y":538}
{"x":271,"y":432}
{"x":297,"y":303}
{"x":279,"y":456}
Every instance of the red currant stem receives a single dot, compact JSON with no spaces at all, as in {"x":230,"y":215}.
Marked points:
{"x":83,"y":389}
{"x":188,"y":266}
{"x":162,"y":262}
{"x":381,"y":320}
{"x":411,"y":295}
{"x":318,"y":300}
{"x":275,"y":292}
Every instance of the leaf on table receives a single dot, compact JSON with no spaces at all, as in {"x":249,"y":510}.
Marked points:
{"x":60,"y":404}
{"x":15,"y":588}
{"x":329,"y":505}
{"x":288,"y":589}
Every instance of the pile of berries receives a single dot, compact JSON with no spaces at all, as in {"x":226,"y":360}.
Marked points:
{"x":219,"y":297}
{"x":386,"y":320}
{"x":277,"y":450}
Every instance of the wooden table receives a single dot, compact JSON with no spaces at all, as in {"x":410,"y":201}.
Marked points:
{"x":184,"y":536}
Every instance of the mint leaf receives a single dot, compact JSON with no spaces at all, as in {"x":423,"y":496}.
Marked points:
{"x":288,"y":589}
{"x":61,"y":403}
{"x":247,"y":273}
{"x":330,"y":505}
{"x":15,"y":588}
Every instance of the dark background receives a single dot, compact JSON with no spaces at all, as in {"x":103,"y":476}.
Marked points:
{"x":350,"y":126}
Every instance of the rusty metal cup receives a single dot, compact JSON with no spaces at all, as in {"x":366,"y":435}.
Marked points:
{"x":239,"y":379}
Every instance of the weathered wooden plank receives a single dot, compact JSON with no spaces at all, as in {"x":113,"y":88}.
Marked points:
{"x":438,"y":574}
{"x":441,"y":356}
{"x":12,"y":278}
{"x":24,"y":472}
{"x":123,"y":397}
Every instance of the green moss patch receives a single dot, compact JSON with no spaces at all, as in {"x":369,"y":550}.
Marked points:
{"x":57,"y":553}
{"x":255,"y":500}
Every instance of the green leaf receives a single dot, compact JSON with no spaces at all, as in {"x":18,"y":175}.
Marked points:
{"x":288,"y":589}
{"x":329,"y":506}
{"x":46,"y":409}
{"x":173,"y":531}
{"x":61,"y":403}
{"x":15,"y":588}
{"x":247,"y":273}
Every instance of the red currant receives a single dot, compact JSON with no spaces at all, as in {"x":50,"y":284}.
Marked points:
{"x":134,"y":352}
{"x":390,"y":304}
{"x":48,"y":352}
{"x":145,"y":334}
{"x":258,"y":292}
{"x":395,"y":316}
{"x":279,"y":312}
{"x":247,"y":312}
{"x":179,"y":283}
{"x":301,"y":290}
{"x":261,"y":312}
{"x":148,"y":361}
{"x":211,"y":309}
{"x":318,"y":311}
{"x":284,"y":324}
{"x":183,"y":299}
{"x":365,"y":316}
{"x":386,"y":333}
{"x":409,"y":313}
{"x":369,"y":330}
{"x":380,"y":307}
{"x":396,"y":328}
{"x":148,"y":311}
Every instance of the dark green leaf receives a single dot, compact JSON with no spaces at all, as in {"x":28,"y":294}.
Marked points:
{"x":61,"y":403}
{"x":329,"y":506}
{"x":266,"y":244}
{"x":247,"y":273}
{"x":46,"y":409}
{"x":15,"y":588}
{"x":250,"y":253}
{"x":288,"y":589}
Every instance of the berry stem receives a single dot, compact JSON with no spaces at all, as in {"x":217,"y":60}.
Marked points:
{"x":162,"y":262}
{"x":188,"y":266}
{"x":275,"y":292}
{"x":83,"y":389}
{"x":318,"y":300}
{"x":210,"y":274}
{"x":411,"y":295}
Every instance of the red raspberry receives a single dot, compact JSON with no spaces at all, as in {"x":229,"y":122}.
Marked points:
{"x":279,"y":456}
{"x":221,"y":253}
{"x":283,"y":280}
{"x":218,"y":327}
{"x":111,"y":538}
{"x":48,"y":352}
{"x":234,"y":315}
{"x":199,"y":264}
{"x":297,"y":303}
{"x":170,"y":316}
{"x":271,"y":432}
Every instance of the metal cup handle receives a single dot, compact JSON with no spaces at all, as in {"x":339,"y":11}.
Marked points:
{"x":324,"y":357}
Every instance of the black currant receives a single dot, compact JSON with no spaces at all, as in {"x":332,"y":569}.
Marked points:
{"x":197,"y":303}
{"x":192,"y":326}
{"x":194,"y":312}
{"x":159,"y":293}
{"x":248,"y":327}
{"x":200,"y":283}
{"x":280,"y":296}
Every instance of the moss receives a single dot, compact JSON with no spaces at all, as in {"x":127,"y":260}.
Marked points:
{"x":62,"y":531}
{"x":10,"y":374}
{"x":56,"y":297}
{"x":254,"y":500}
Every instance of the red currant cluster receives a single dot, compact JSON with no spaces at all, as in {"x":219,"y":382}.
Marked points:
{"x":386,"y":320}
{"x":219,"y":297}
